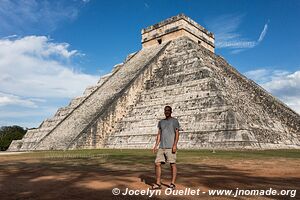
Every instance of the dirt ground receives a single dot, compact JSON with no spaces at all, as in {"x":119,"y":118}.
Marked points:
{"x":30,"y":177}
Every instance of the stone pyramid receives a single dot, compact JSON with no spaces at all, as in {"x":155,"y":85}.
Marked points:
{"x":216,"y":106}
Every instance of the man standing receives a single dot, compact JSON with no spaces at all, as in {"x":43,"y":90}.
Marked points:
{"x":167,"y":139}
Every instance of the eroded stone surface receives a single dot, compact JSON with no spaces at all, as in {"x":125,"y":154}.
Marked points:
{"x":216,"y":106}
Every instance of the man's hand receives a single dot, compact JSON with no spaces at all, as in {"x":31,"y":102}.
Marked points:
{"x":174,"y":149}
{"x":154,"y":150}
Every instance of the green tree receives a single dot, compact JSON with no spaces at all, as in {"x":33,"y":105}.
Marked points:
{"x":10,"y":133}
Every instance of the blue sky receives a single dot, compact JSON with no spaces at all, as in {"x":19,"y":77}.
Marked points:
{"x":50,"y":51}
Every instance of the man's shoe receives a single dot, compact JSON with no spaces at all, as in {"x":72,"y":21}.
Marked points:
{"x":172,"y":186}
{"x":156,"y":186}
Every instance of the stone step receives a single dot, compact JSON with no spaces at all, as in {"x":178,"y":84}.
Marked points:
{"x":15,"y":145}
{"x":76,"y":101}
{"x":117,"y":67}
{"x":139,"y":116}
{"x":30,"y":133}
{"x":70,"y":128}
{"x":190,"y":97}
{"x":33,"y":136}
{"x":142,"y":112}
{"x":90,"y":89}
{"x":104,"y":78}
{"x":130,"y":56}
{"x":64,"y":111}
{"x":36,"y":134}
{"x":49,"y":124}
{"x":27,"y":145}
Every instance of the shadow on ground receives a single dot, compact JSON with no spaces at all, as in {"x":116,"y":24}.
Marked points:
{"x":59,"y":179}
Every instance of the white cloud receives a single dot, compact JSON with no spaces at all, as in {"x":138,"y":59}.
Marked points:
{"x":263,"y":33}
{"x":34,"y":66}
{"x":36,"y":75}
{"x":36,"y":46}
{"x":9,"y":99}
{"x":226,"y":27}
{"x":281,"y":83}
{"x":259,"y":75}
{"x":23,"y":17}
{"x":285,"y":84}
{"x":25,"y":116}
{"x":59,"y":49}
{"x":10,"y":36}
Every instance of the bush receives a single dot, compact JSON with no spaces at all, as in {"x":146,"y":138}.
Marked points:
{"x":10,"y":133}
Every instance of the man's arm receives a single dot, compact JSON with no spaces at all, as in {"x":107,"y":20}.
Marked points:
{"x":174,"y":148}
{"x":157,"y":142}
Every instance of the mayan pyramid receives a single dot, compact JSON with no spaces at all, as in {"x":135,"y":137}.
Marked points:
{"x":216,"y":106}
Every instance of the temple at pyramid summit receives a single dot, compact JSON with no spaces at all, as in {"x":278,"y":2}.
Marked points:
{"x":217,"y":106}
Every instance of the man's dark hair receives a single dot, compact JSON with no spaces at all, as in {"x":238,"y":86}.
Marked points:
{"x":168,"y":107}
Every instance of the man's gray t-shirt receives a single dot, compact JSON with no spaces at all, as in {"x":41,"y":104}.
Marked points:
{"x":167,"y":132}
